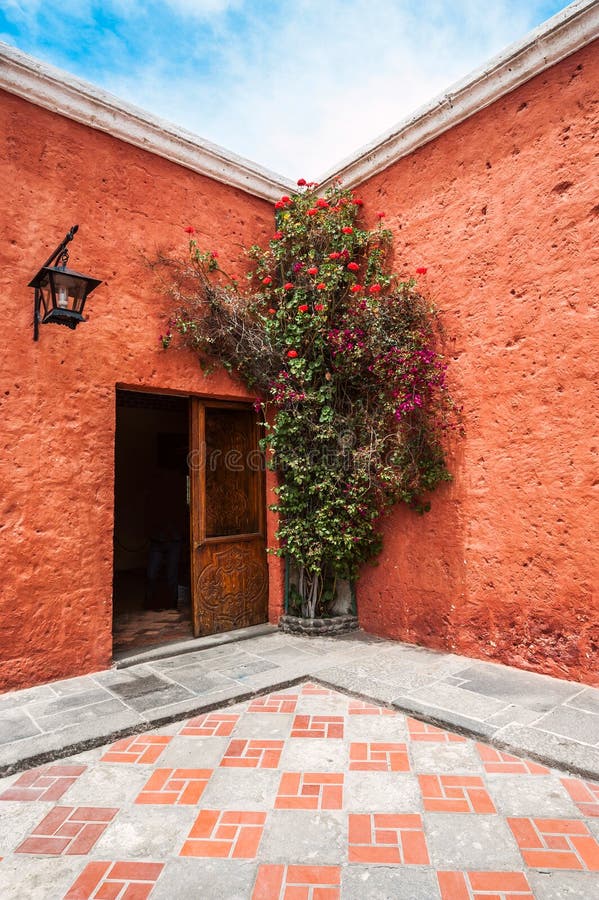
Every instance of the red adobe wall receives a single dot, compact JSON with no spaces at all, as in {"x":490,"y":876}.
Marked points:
{"x":503,"y":211}
{"x":58,"y":396}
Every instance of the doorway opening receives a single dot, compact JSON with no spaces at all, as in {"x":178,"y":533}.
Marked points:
{"x":152,"y":584}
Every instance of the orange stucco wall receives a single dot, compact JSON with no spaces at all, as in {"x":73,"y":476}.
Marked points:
{"x":503,"y":211}
{"x":58,"y":396}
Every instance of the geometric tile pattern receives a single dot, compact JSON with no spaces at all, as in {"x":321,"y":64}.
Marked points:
{"x":225,"y":834}
{"x":370,"y":803}
{"x":497,"y":762}
{"x":47,"y":783}
{"x":481,"y":885}
{"x":556,"y":843}
{"x":274,"y":703}
{"x":378,"y":757}
{"x":68,"y":831}
{"x":317,"y":727}
{"x":297,"y":883}
{"x":131,"y":880}
{"x":422,"y":731}
{"x":211,"y":725}
{"x":253,"y":754}
{"x":455,"y":793}
{"x":310,"y":790}
{"x":387,"y":838}
{"x":175,"y":786}
{"x":585,"y":795}
{"x":145,"y":748}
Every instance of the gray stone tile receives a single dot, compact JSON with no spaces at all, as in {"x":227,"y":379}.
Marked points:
{"x":232,"y":789}
{"x":368,"y":688}
{"x":73,"y":685}
{"x":314,"y":755}
{"x":514,"y":714}
{"x":206,"y":879}
{"x":564,"y":885}
{"x":142,"y":692}
{"x":572,"y":723}
{"x":376,"y":728}
{"x":457,"y":700}
{"x":531,"y":795}
{"x":198,"y":680}
{"x":445,"y":759}
{"x":271,"y":726}
{"x":372,"y":792}
{"x":185,"y":752}
{"x":145,"y":832}
{"x":114,"y":785}
{"x":540,"y":692}
{"x":587,"y":700}
{"x":388,"y":883}
{"x":551,"y":749}
{"x":49,"y":708}
{"x":242,"y":670}
{"x":306,"y":837}
{"x":26,"y":877}
{"x":206,"y":659}
{"x":461,"y":841}
{"x":21,"y":698}
{"x":15,"y":725}
{"x":95,"y":712}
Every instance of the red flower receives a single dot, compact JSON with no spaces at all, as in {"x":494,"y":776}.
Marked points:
{"x":289,"y":286}
{"x":303,"y":308}
{"x":321,"y":287}
{"x":271,"y":312}
{"x":353,"y":267}
{"x":421,"y":270}
{"x":355,"y":288}
{"x":190,"y":229}
{"x":319,"y":307}
{"x":311,"y":212}
{"x":347,"y":230}
{"x":277,"y":236}
{"x":358,"y":202}
{"x":292,"y":354}
{"x":313,"y":270}
{"x":285,"y":199}
{"x":302,"y":182}
{"x":214,"y":254}
{"x":334,"y":255}
{"x":374,"y":289}
{"x":322,"y":203}
{"x":267,"y":280}
{"x":381,"y":215}
{"x":280,"y":205}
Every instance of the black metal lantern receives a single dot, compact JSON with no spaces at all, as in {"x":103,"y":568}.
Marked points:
{"x":60,"y":293}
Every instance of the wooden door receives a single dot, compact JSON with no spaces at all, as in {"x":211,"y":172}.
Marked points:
{"x":229,"y":572}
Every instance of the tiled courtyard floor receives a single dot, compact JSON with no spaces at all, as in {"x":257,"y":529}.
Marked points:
{"x":302,"y":794}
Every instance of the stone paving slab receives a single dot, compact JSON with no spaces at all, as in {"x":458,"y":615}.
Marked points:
{"x":554,"y":721}
{"x":303,"y":793}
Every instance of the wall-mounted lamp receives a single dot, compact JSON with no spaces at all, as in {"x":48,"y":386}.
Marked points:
{"x":60,"y":293}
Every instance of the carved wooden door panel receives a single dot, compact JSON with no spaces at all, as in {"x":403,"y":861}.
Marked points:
{"x":229,"y":569}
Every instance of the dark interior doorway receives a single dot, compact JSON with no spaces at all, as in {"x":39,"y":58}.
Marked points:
{"x":151,"y":597}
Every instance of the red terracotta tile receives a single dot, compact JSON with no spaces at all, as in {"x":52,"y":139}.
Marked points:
{"x":497,"y":762}
{"x":421,"y":731}
{"x":175,"y":786}
{"x":243,"y":843}
{"x":213,"y":724}
{"x":585,"y":795}
{"x":455,"y":793}
{"x":536,"y":838}
{"x":317,"y":727}
{"x":370,"y":839}
{"x":145,"y":748}
{"x":274,"y":703}
{"x":85,"y":825}
{"x":379,"y":756}
{"x":253,"y":754}
{"x":310,"y":790}
{"x":107,"y":880}
{"x":47,"y":783}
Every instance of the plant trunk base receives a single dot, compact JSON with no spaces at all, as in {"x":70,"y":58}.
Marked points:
{"x":332,"y":626}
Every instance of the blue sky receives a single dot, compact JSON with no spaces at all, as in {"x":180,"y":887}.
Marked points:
{"x":294,"y":85}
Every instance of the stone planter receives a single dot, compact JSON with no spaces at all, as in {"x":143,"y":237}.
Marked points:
{"x":341,"y":612}
{"x":330,"y":626}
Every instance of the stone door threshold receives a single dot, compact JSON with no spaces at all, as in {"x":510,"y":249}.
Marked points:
{"x":127,"y":658}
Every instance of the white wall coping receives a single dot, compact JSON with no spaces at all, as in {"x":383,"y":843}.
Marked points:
{"x":56,"y":90}
{"x":39,"y":83}
{"x":565,"y":33}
